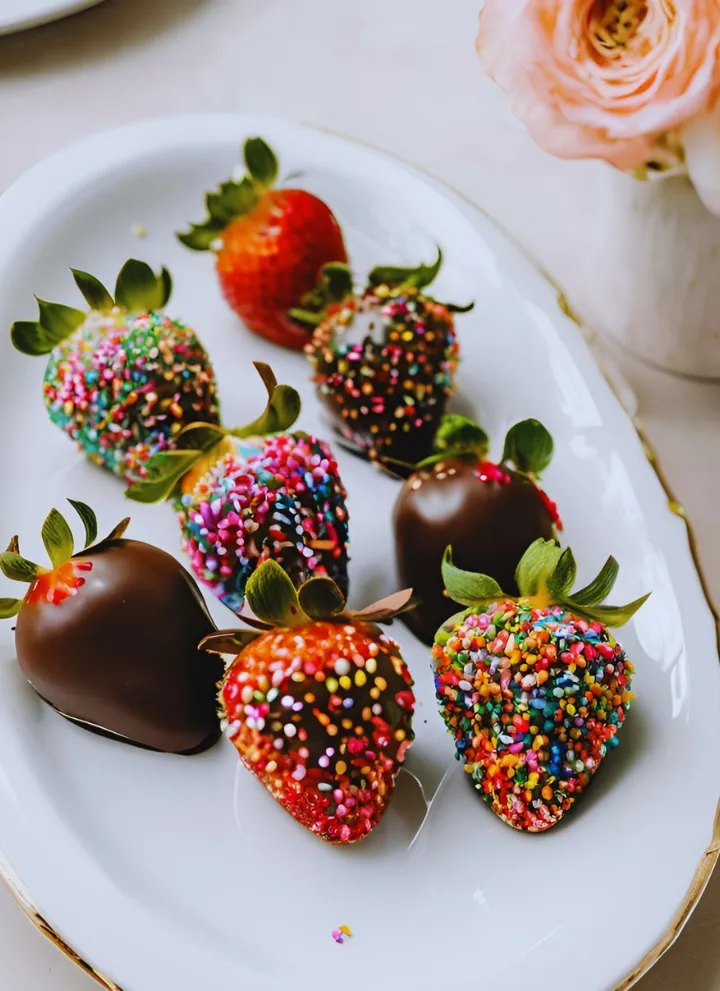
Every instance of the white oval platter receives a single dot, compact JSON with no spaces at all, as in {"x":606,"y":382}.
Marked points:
{"x":166,"y":872}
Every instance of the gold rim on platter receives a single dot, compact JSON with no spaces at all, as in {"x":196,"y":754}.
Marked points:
{"x":712,"y":853}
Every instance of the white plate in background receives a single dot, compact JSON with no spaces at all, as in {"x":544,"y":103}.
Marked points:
{"x":19,"y":15}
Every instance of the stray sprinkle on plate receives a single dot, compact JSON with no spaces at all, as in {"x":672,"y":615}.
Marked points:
{"x":138,"y":230}
{"x":340,"y":933}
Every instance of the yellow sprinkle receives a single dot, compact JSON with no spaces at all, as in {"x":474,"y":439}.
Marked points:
{"x":371,"y":665}
{"x":380,"y":683}
{"x":360,"y":678}
{"x":346,"y":930}
{"x":332,"y":684}
{"x":341,"y":767}
{"x":374,"y":693}
{"x":345,"y":682}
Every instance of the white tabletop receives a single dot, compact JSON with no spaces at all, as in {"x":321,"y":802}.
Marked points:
{"x":401,"y":74}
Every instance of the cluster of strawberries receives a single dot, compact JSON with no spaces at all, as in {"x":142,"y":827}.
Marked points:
{"x":318,"y":700}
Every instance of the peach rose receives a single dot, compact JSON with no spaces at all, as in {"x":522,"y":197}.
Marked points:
{"x":607,"y":79}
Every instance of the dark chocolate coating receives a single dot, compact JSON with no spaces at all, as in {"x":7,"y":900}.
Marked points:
{"x":122,"y":653}
{"x":488,"y":525}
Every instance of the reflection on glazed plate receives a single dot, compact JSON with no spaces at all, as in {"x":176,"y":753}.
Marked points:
{"x":175,"y":872}
{"x":19,"y":15}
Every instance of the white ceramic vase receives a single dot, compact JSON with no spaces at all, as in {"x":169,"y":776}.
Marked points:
{"x":656,"y":274}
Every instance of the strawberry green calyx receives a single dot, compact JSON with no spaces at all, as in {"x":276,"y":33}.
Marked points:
{"x":394,"y":275}
{"x":545,"y":576}
{"x":413,"y":278}
{"x":275,"y":602}
{"x":336,"y":285}
{"x":528,"y":447}
{"x":60,"y":546}
{"x":137,"y":289}
{"x":166,"y":469}
{"x":234,"y":198}
{"x":458,"y":437}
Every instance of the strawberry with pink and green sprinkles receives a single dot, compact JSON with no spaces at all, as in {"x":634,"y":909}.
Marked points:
{"x":123,"y":378}
{"x":254,"y":494}
{"x":534,"y":690}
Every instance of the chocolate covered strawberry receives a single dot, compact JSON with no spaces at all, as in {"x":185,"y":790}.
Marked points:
{"x":534,"y":689}
{"x":384,"y":359}
{"x":252,"y":494}
{"x":319,"y":703}
{"x":109,"y":637}
{"x":122,"y":378}
{"x":269,"y":243}
{"x":489,"y":512}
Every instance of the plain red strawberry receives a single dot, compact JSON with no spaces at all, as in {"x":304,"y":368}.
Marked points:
{"x":319,"y":710}
{"x":270,"y":246}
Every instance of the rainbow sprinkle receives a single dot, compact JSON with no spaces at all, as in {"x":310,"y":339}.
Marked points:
{"x":340,"y":933}
{"x":534,"y":699}
{"x":282,"y":499}
{"x":121,"y":387}
{"x":384,"y":365}
{"x":322,"y":715}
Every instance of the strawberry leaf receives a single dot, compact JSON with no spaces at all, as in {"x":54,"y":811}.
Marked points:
{"x":59,"y":320}
{"x":29,"y":337}
{"x":164,"y":471}
{"x":418,"y":277}
{"x":57,"y":538}
{"x":335,"y":285}
{"x":466,"y":587}
{"x":282,"y":409}
{"x":320,"y":598}
{"x":14,"y":546}
{"x":261,"y":162}
{"x":456,"y":308}
{"x":272,"y":597}
{"x":458,"y":433}
{"x":529,"y":447}
{"x":227,"y":641}
{"x":94,"y":292}
{"x":385,"y":610}
{"x":199,"y":437}
{"x":89,"y":520}
{"x":563,"y":577}
{"x":600,"y":587}
{"x":138,"y":288}
{"x":537,"y":566}
{"x":201,"y":236}
{"x":18,"y":568}
{"x":607,"y":615}
{"x":229,"y":201}
{"x":10,"y":608}
{"x":118,"y":531}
